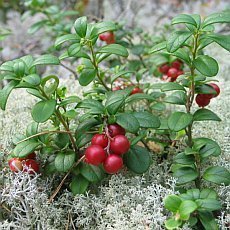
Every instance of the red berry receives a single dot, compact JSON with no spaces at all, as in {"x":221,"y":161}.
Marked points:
{"x":180,"y":72}
{"x":164,"y":68}
{"x":95,"y":154}
{"x":173,"y":73}
{"x":15,"y":164}
{"x":217,"y":89}
{"x":115,"y":130}
{"x":202,"y":100}
{"x":108,"y":37}
{"x":120,"y":144}
{"x":116,"y":88}
{"x":177,"y":64}
{"x":100,"y":139}
{"x":30,"y":156}
{"x":31,"y":166}
{"x":113,"y":164}
{"x":136,"y":90}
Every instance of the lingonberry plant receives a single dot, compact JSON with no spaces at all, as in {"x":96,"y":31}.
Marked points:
{"x":102,"y":117}
{"x":193,"y":165}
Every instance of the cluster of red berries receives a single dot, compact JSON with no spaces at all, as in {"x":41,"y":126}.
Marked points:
{"x":203,"y":100}
{"x":107,"y":149}
{"x":28,"y":164}
{"x":171,"y":72}
{"x":107,"y":37}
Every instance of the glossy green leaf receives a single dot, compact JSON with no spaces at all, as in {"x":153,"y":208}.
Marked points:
{"x":217,"y":174}
{"x":222,"y":17}
{"x":185,"y":175}
{"x":43,"y":110}
{"x":169,"y":86}
{"x":139,"y":96}
{"x":32,"y":129}
{"x":181,"y":158}
{"x":82,"y":139}
{"x":172,"y":203}
{"x":114,"y":49}
{"x":93,"y":106}
{"x":24,"y":148}
{"x":147,"y":119}
{"x":177,"y":40}
{"x":80,"y":26}
{"x":186,"y":208}
{"x":205,"y":89}
{"x":158,"y":47}
{"x":208,"y":204}
{"x":128,"y":121}
{"x":19,"y":68}
{"x":32,"y":79}
{"x":120,"y":74}
{"x":65,"y":160}
{"x":183,"y":55}
{"x":62,"y":140}
{"x":206,"y":65}
{"x":46,"y":59}
{"x":179,"y":120}
{"x":102,"y":27}
{"x":222,"y":40}
{"x":178,"y":97}
{"x":74,"y":49}
{"x":66,"y":38}
{"x":172,"y":223}
{"x":92,"y":173}
{"x":184,"y":18}
{"x":137,"y":159}
{"x":207,"y":220}
{"x":205,"y":115}
{"x":70,"y":100}
{"x":208,"y":193}
{"x":79,"y":185}
{"x":87,"y":76}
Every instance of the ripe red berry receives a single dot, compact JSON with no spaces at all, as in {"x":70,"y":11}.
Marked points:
{"x":164,"y":68}
{"x":108,"y":37}
{"x":30,"y":156}
{"x":95,"y":154}
{"x":120,"y":144}
{"x":216,"y":88}
{"x":113,"y":163}
{"x":31,"y":166}
{"x":136,"y":90}
{"x":202,"y":100}
{"x":177,"y":64}
{"x":15,"y":164}
{"x":115,"y":130}
{"x":116,"y":88}
{"x":100,"y":139}
{"x":173,"y":73}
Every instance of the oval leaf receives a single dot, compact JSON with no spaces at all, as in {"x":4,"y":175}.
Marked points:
{"x":114,"y":49}
{"x":128,"y":122}
{"x":79,"y":185}
{"x":179,"y":120}
{"x":147,"y":120}
{"x":64,"y":160}
{"x":204,"y":115}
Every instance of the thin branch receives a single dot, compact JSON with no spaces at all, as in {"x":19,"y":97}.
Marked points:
{"x":70,"y":70}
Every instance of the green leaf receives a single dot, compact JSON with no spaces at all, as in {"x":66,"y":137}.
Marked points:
{"x":32,"y":129}
{"x":205,"y":115}
{"x":186,"y":208}
{"x":147,"y":120}
{"x":50,"y":84}
{"x":139,"y":96}
{"x":216,"y":18}
{"x":24,"y":148}
{"x":159,"y":106}
{"x":92,"y":173}
{"x":62,"y":140}
{"x":178,"y":97}
{"x":82,"y":139}
{"x":32,"y":79}
{"x":70,"y":100}
{"x":86,"y":125}
{"x":172,"y":203}
{"x":137,"y":159}
{"x":119,"y":74}
{"x":114,"y":49}
{"x":206,"y":65}
{"x":79,"y":185}
{"x":177,"y":40}
{"x":37,"y":26}
{"x":181,"y":158}
{"x":206,"y":147}
{"x":205,"y":89}
{"x":102,"y":27}
{"x":80,"y":26}
{"x":19,"y":68}
{"x":158,"y":47}
{"x":184,"y":18}
{"x":185,"y":175}
{"x":222,"y":40}
{"x":208,"y":204}
{"x":172,"y":223}
{"x":65,"y":38}
{"x":64,"y":160}
{"x":74,"y":49}
{"x":87,"y":76}
{"x":183,"y":55}
{"x":116,"y":99}
{"x":46,"y":59}
{"x":207,"y":220}
{"x":128,"y":121}
{"x":93,"y":106}
{"x":217,"y":174}
{"x":208,"y":193}
{"x":194,"y":194}
{"x":169,"y":86}
{"x":5,"y":92}
{"x":43,"y":110}
{"x":179,"y":120}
